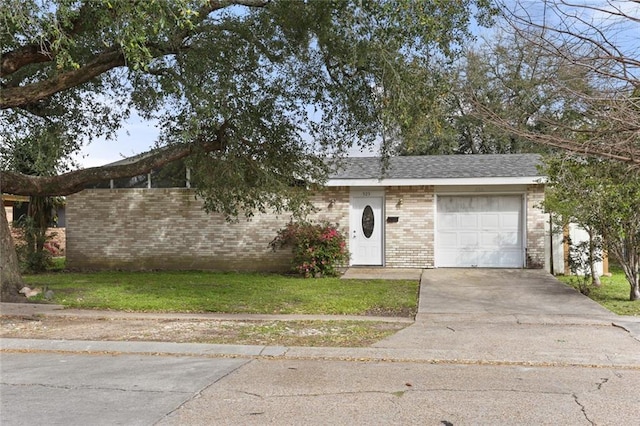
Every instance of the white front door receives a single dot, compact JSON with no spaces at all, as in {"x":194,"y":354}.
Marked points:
{"x":366,"y":230}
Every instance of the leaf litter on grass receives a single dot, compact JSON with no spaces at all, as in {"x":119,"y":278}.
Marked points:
{"x":281,"y":333}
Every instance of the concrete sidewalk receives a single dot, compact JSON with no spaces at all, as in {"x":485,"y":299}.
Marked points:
{"x":468,"y":316}
{"x":498,"y":316}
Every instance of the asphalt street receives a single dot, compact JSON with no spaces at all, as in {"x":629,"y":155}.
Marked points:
{"x":499,"y":347}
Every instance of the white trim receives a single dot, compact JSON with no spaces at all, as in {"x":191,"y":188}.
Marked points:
{"x":529,"y":180}
{"x":359,"y":192}
{"x":480,"y":190}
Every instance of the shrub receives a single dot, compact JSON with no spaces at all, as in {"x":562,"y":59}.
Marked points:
{"x":318,"y":249}
{"x":33,"y":246}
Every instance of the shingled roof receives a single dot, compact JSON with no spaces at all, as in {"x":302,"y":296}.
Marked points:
{"x":439,"y":167}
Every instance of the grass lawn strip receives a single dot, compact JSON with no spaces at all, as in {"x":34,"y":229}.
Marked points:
{"x":613,"y":294}
{"x":193,"y":292}
{"x":278,"y":333}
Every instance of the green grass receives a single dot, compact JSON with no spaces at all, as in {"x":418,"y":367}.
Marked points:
{"x":227,"y":292}
{"x":613,"y":294}
{"x":57,"y":264}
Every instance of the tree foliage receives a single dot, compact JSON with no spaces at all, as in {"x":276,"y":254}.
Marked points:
{"x":604,"y":197}
{"x":251,"y":90}
{"x":504,"y":79}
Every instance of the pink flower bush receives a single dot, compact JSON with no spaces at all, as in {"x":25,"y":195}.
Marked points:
{"x":318,"y":249}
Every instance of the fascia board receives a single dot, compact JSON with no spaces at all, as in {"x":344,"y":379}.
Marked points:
{"x":522,"y":180}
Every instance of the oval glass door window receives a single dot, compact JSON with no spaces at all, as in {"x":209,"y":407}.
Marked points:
{"x":367,"y":221}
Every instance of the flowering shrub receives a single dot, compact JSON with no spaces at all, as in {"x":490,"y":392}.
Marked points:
{"x":317,"y":248}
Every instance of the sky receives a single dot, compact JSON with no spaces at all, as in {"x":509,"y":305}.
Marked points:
{"x":137,"y":136}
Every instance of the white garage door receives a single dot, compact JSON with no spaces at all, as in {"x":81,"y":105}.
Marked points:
{"x":479,"y":231}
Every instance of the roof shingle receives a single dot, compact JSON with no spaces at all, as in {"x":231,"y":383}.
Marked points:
{"x":439,"y":167}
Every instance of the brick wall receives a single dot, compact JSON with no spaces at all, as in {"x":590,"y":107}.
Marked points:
{"x":536,"y":227}
{"x":167,"y":229}
{"x":409,"y":242}
{"x":136,"y":229}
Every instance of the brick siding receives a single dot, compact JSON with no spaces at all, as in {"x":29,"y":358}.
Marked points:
{"x":536,"y":223}
{"x":409,"y":241}
{"x":139,"y":229}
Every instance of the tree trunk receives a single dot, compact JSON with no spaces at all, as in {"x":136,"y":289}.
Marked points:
{"x":634,"y":281}
{"x":595,"y":278}
{"x":635,"y":292}
{"x":629,"y":260}
{"x":10,"y":279}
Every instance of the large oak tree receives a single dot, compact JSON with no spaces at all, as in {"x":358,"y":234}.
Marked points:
{"x":251,"y":92}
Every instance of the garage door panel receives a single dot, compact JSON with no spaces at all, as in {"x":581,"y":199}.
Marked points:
{"x":508,"y":240}
{"x":490,"y":240}
{"x":479,"y":231}
{"x":499,"y":259}
{"x":491,"y":221}
{"x":510,"y":204}
{"x":510,"y":221}
{"x":495,"y":240}
{"x":468,"y":239}
{"x":467,"y":221}
{"x":459,"y":258}
{"x":448,"y":221}
{"x":447,"y":240}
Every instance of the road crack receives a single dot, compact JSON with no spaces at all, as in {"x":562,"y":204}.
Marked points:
{"x":583,"y":409}
{"x":602,"y":381}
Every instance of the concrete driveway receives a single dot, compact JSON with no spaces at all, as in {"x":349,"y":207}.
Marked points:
{"x":500,"y":292}
{"x":511,"y":316}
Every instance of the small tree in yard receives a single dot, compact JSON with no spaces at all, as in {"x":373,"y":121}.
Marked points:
{"x":318,"y":249}
{"x":604,"y":197}
{"x":582,"y":258}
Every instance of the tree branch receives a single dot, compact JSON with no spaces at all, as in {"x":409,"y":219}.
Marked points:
{"x":21,"y":96}
{"x":14,"y":60}
{"x":68,"y":183}
{"x":24,"y":95}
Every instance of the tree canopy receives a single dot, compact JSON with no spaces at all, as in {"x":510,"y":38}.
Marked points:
{"x":507,"y":76}
{"x":262,"y":84}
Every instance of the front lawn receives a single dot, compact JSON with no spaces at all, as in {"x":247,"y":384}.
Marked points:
{"x":613,"y":294}
{"x":228,"y":293}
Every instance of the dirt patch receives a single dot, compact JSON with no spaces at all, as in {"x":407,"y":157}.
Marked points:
{"x":284,"y":333}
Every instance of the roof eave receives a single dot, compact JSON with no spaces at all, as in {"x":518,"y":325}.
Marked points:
{"x":520,"y":180}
